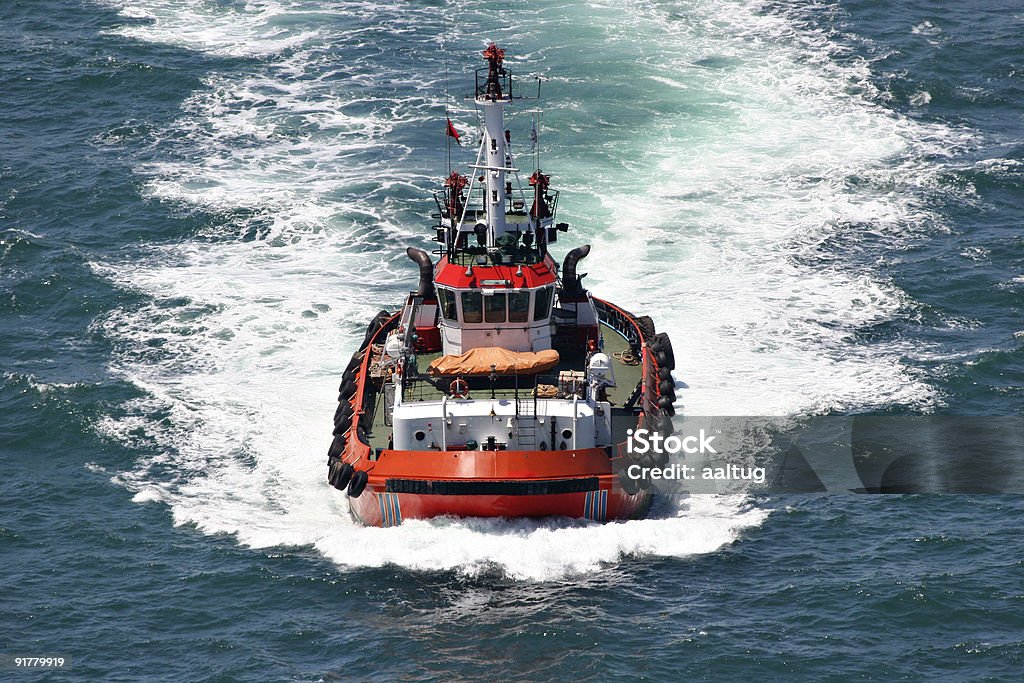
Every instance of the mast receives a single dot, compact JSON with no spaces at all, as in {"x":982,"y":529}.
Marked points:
{"x":503,"y":219}
{"x":491,"y":98}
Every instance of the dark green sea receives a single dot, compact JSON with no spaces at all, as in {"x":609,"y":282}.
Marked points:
{"x":203,"y":202}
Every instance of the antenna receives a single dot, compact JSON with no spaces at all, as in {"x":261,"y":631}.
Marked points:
{"x":535,"y":135}
{"x":447,"y":116}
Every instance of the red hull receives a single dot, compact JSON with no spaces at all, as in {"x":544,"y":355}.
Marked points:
{"x":423,"y":484}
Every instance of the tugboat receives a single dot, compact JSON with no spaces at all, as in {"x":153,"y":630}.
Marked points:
{"x":502,"y":387}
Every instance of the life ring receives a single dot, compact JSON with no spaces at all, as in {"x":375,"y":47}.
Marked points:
{"x":459,"y":388}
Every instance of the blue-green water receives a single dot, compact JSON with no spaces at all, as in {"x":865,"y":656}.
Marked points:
{"x":202,"y":202}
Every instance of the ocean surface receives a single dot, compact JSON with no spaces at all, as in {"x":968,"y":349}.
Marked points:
{"x":202,"y":202}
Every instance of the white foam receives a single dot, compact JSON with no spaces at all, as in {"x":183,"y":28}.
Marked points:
{"x":920,"y":98}
{"x":250,"y":29}
{"x":713,"y":231}
{"x":131,"y":12}
{"x":544,"y":550}
{"x":721,"y":234}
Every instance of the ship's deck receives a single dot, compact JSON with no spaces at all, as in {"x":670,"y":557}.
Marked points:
{"x":615,"y":346}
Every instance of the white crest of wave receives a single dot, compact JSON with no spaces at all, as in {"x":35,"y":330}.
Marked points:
{"x":239,"y":349}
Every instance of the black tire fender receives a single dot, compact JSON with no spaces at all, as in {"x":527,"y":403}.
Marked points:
{"x":344,"y":408}
{"x":375,"y":324}
{"x":348,"y":390}
{"x":352,"y":370}
{"x":629,"y":485}
{"x":665,"y":424}
{"x":664,"y":344}
{"x":342,"y":425}
{"x":646,"y":326}
{"x":358,"y":484}
{"x":341,"y":475}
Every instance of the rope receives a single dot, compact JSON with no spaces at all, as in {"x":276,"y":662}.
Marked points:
{"x":626,"y":357}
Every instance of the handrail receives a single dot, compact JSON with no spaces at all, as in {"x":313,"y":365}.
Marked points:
{"x":620,"y":320}
{"x":625,"y":323}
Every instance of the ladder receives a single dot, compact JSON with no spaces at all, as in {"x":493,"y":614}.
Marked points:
{"x":526,"y":423}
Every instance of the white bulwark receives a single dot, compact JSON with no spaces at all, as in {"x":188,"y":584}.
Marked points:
{"x":559,"y":424}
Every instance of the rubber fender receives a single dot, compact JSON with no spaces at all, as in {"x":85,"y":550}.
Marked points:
{"x":342,"y":425}
{"x":646,"y":326}
{"x":666,"y":387}
{"x":664,"y":360}
{"x":341,"y":476}
{"x":664,"y":344}
{"x":337,"y":447}
{"x":666,"y":406}
{"x":348,"y":390}
{"x":344,"y":408}
{"x":665,"y":424}
{"x":664,"y":373}
{"x":352,"y":369}
{"x":344,"y":411}
{"x":656,"y":458}
{"x":629,"y":485}
{"x":358,"y":484}
{"x":375,"y":324}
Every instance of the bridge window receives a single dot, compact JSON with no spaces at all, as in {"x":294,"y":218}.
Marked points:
{"x":494,"y":308}
{"x":518,"y":307}
{"x":446,"y":298}
{"x":472,"y":307}
{"x":542,"y":308}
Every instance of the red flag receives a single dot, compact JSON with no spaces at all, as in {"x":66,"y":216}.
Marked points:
{"x":452,"y":133}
